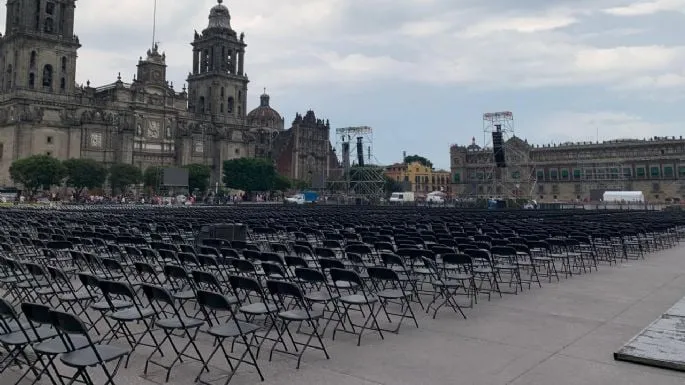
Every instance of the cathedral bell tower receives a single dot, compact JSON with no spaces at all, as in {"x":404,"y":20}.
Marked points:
{"x":38,"y":51}
{"x":218,"y":84}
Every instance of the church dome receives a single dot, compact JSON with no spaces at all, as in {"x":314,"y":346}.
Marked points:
{"x":473,"y":146}
{"x":264,"y":115}
{"x":219,"y":16}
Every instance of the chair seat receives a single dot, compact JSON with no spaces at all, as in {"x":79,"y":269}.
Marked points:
{"x":358,"y":299}
{"x":391,"y":294}
{"x":116,"y":304}
{"x":343,"y":285}
{"x":482,"y":270}
{"x":19,"y":338}
{"x":319,"y":296}
{"x":259,"y":308}
{"x":55,"y":346}
{"x":32,"y":284}
{"x":506,"y":266}
{"x":448,"y":283}
{"x":78,"y":296}
{"x":179,"y":323}
{"x":231,"y":329}
{"x":132,"y":314}
{"x":459,"y":277}
{"x":86,"y":357}
{"x":185,"y":294}
{"x":300,"y":315}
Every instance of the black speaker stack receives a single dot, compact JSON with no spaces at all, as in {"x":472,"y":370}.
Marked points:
{"x":498,"y":147}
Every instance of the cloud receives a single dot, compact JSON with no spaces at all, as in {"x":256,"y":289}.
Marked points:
{"x":563,"y":126}
{"x":647,"y":8}
{"x":518,"y":24}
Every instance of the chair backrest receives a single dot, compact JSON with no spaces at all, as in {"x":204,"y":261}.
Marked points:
{"x":456,"y":259}
{"x":383,"y":274}
{"x":205,"y":279}
{"x":37,"y":313}
{"x":310,"y":275}
{"x":328,"y":263}
{"x":343,"y":275}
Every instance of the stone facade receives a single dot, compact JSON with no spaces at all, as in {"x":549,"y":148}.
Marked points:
{"x":573,"y":171}
{"x":304,"y":151}
{"x":145,"y":122}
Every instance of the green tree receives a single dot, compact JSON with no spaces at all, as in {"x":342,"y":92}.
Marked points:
{"x":198,"y":177}
{"x":281,"y":183}
{"x":152,"y":177}
{"x":84,"y":174}
{"x":417,"y":158}
{"x":249,"y":174}
{"x":36,"y":172}
{"x":122,"y":175}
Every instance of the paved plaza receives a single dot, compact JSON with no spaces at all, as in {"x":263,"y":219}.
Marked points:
{"x":564,"y":333}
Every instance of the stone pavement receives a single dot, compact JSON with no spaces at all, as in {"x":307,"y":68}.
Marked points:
{"x":564,"y":333}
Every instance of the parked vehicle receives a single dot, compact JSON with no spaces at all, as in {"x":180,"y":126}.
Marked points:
{"x":402,"y":197}
{"x":302,"y":198}
{"x":436,"y":197}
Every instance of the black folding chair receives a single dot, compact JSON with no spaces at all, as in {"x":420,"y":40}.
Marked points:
{"x":294,"y":307}
{"x":87,"y":357}
{"x":210,"y":303}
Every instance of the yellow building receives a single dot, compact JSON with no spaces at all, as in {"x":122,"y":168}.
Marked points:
{"x":419,"y":178}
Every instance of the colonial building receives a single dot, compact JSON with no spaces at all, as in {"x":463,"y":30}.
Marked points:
{"x":573,"y":171}
{"x":304,"y":151}
{"x":144,"y":122}
{"x":419,"y":178}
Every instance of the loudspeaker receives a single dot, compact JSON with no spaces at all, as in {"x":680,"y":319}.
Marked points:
{"x":222,"y":231}
{"x":346,"y":156}
{"x":360,"y":151}
{"x":498,"y":149}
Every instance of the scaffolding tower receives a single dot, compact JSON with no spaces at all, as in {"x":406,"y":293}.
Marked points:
{"x":517,"y":178}
{"x":360,"y":178}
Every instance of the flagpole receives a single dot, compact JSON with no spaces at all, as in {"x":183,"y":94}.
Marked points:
{"x":154,"y":23}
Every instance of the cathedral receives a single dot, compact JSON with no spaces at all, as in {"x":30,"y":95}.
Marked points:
{"x":146,"y":122}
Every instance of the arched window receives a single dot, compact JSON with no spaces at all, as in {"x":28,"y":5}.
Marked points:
{"x":222,"y":92}
{"x":240,"y":96}
{"x":201,"y":105}
{"x":64,"y":64}
{"x":32,"y":62}
{"x":229,"y":106}
{"x":49,"y":25}
{"x":32,"y":80}
{"x":9,"y":76}
{"x":221,"y":108}
{"x":63,"y":84}
{"x":47,"y":76}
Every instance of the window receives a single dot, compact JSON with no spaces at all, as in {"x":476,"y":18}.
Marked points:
{"x":640,"y":172}
{"x":221,"y":108}
{"x":9,"y":76}
{"x":654,"y":171}
{"x":48,"y":153}
{"x":627,"y":172}
{"x":63,"y":84}
{"x":47,"y":76}
{"x":222,"y":92}
{"x":64,"y":64}
{"x":564,"y":173}
{"x":32,"y":61}
{"x":516,"y":175}
{"x":540,"y":174}
{"x":457,"y":177}
{"x":553,"y":174}
{"x":237,"y":151}
{"x":541,"y":189}
{"x":50,"y":8}
{"x":48,"y":26}
{"x":555,"y":189}
{"x":229,"y":105}
{"x":240,"y":96}
{"x":49,"y":139}
{"x":32,"y":80}
{"x":37,"y":25}
{"x":2,"y":149}
{"x":613,"y":173}
{"x":656,"y":187}
{"x":201,"y":105}
{"x":681,"y":171}
{"x":668,"y":171}
{"x":576,"y":173}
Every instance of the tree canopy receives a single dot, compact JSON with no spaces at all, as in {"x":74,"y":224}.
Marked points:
{"x":122,"y":175}
{"x":251,"y":175}
{"x":152,"y":177}
{"x":84,"y":174}
{"x":36,"y":172}
{"x":417,"y":158}
{"x":198,"y":177}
